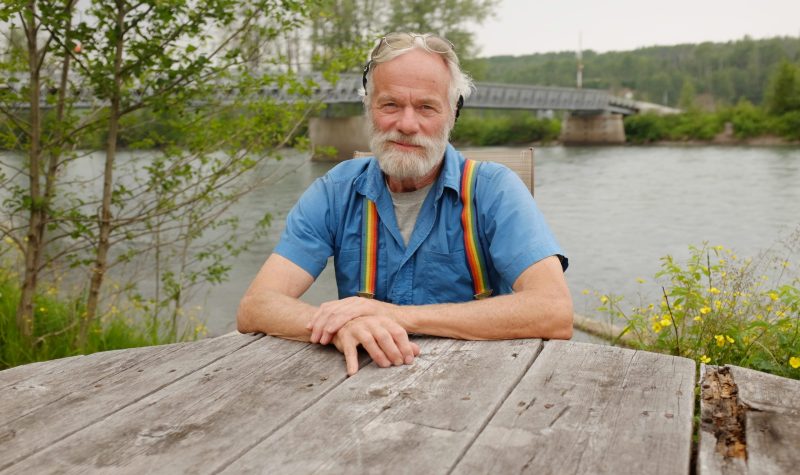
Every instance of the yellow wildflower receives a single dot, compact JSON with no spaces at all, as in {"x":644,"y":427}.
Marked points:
{"x":705,"y":310}
{"x":785,"y":263}
{"x":603,"y":299}
{"x":698,"y":318}
{"x":729,"y":339}
{"x":665,"y":322}
{"x":720,"y":340}
{"x":705,"y":359}
{"x":585,"y":291}
{"x":773,"y":296}
{"x":713,"y":290}
{"x":794,"y":362}
{"x":42,"y":309}
{"x":718,"y":304}
{"x":640,"y":280}
{"x":656,"y":327}
{"x":650,"y":307}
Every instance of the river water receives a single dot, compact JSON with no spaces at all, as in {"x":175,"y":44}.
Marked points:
{"x":615,"y":211}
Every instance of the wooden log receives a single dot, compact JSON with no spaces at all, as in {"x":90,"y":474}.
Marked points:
{"x":82,"y":391}
{"x":592,"y":409}
{"x":410,"y":419}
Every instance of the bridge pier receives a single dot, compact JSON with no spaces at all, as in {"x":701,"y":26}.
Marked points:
{"x":603,"y":129}
{"x":347,"y":134}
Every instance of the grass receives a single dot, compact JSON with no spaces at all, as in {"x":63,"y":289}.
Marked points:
{"x":56,"y":323}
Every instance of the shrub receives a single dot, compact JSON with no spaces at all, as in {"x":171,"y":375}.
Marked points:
{"x":720,"y":309}
{"x":645,"y":128}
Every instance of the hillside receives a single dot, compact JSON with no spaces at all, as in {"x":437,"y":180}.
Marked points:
{"x":715,"y":74}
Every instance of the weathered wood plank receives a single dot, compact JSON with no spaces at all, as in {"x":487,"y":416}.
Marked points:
{"x":204,"y":420}
{"x":88,"y":389}
{"x":412,"y":419}
{"x":767,"y":392}
{"x":51,"y":372}
{"x":773,"y":421}
{"x":761,"y":410}
{"x":585,"y":408}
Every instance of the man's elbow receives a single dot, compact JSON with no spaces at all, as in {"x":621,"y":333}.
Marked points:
{"x":244,"y":323}
{"x":562,"y":320}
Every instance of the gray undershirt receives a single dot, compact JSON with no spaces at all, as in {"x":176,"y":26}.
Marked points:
{"x":406,"y":209}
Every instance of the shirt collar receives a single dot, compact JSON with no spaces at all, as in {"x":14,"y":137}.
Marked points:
{"x":371,"y":183}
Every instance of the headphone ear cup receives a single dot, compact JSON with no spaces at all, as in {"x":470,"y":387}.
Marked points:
{"x":364,"y":77}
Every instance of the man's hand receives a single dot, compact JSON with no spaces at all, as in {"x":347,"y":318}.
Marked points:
{"x":331,"y":316}
{"x":384,"y":339}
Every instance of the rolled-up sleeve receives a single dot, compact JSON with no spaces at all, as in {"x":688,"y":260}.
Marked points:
{"x":515,"y":230}
{"x":307,"y":239}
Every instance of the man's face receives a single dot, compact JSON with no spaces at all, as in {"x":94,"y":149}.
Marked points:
{"x":410,"y":117}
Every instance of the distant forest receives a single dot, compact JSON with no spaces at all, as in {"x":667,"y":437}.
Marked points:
{"x":711,"y":75}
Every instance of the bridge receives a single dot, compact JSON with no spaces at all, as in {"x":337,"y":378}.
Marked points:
{"x":497,"y":96}
{"x":594,"y":116}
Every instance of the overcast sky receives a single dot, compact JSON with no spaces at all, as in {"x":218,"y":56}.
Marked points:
{"x":537,"y":26}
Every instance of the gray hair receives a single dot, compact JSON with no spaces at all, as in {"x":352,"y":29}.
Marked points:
{"x":460,"y":83}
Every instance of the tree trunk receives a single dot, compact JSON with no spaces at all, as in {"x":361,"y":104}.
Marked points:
{"x":33,"y":244}
{"x":103,"y":244}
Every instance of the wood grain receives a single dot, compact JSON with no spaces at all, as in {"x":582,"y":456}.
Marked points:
{"x":204,"y":420}
{"x":591,"y":409}
{"x":410,"y":419}
{"x":43,"y":409}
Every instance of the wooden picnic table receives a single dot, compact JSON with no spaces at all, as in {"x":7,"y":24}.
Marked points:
{"x":252,"y":403}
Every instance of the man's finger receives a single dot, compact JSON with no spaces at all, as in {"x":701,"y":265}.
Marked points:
{"x":404,"y":345}
{"x":388,"y":346}
{"x":350,"y":351}
{"x":334,"y":324}
{"x":375,"y":351}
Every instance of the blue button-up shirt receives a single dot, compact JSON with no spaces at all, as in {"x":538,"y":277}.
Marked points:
{"x":326,"y":221}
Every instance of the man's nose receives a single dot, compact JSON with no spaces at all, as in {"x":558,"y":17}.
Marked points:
{"x":408,"y":123}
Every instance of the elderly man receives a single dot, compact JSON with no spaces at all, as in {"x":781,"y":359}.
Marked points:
{"x":419,"y":235}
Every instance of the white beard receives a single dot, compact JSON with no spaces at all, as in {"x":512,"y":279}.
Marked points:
{"x":401,"y":165}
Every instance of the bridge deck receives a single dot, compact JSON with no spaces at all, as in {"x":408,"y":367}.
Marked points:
{"x":249,"y":403}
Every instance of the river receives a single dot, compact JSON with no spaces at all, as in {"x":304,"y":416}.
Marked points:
{"x":615,"y":211}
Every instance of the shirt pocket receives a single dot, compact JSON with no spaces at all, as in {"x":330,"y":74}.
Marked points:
{"x":348,"y":273}
{"x":443,"y":278}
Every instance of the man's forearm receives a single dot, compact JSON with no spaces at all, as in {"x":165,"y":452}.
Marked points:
{"x":518,"y":315}
{"x":275,"y":314}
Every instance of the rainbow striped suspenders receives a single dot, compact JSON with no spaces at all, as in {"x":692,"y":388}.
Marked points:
{"x":469,"y":225}
{"x":369,"y":249}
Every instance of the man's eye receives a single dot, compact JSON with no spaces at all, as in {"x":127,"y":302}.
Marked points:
{"x":389,"y":105}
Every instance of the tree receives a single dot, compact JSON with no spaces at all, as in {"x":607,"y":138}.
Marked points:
{"x":783,"y":93}
{"x":448,"y":18}
{"x":686,"y":100}
{"x":155,"y":60}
